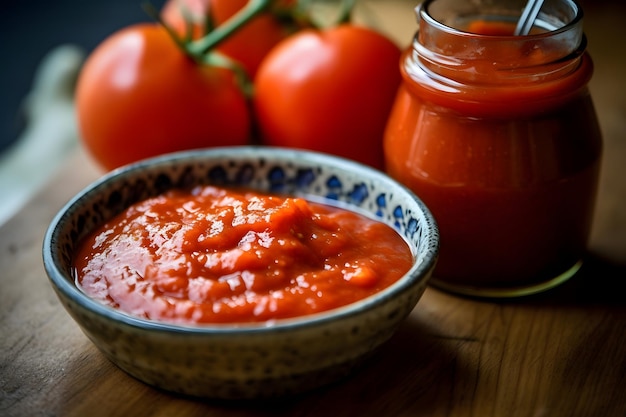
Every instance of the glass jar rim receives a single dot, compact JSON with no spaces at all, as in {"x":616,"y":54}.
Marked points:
{"x":423,"y":13}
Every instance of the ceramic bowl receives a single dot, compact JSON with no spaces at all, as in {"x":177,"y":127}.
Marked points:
{"x":244,"y":360}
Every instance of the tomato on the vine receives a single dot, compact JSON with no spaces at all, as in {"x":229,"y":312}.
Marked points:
{"x":139,"y":95}
{"x":330,"y":91}
{"x":250,"y":43}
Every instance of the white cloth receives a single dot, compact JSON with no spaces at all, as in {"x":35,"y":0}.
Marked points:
{"x":50,"y":133}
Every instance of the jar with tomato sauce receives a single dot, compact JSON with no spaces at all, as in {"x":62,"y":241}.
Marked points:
{"x":498,"y":135}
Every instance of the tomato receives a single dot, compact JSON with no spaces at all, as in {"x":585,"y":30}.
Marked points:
{"x":249,"y":44}
{"x":329,"y":91}
{"x":138,"y":95}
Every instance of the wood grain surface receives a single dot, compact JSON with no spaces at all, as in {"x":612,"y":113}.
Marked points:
{"x":558,"y":354}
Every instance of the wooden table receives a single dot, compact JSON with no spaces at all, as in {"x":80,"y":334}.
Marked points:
{"x":562,"y":353}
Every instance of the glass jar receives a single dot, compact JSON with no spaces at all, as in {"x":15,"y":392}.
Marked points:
{"x":498,"y":135}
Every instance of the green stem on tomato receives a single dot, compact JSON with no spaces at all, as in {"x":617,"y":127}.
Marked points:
{"x":208,"y":57}
{"x":188,"y":20}
{"x":202,"y":50}
{"x":154,"y":13}
{"x":223,"y":31}
{"x":216,"y":59}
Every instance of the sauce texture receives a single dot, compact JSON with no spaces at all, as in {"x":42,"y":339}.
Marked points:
{"x":216,"y":255}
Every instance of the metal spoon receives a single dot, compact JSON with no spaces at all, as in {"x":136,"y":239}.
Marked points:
{"x":527,"y":19}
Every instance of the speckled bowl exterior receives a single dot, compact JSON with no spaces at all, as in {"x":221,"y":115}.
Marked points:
{"x":244,"y":360}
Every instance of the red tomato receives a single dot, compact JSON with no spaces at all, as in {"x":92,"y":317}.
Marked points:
{"x":329,"y":91}
{"x":138,"y":95}
{"x":248,"y":45}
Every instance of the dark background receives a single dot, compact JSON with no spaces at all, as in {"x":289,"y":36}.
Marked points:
{"x":31,"y":28}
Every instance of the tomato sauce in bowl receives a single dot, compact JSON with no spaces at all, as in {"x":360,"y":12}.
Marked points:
{"x":194,"y":257}
{"x":225,"y":255}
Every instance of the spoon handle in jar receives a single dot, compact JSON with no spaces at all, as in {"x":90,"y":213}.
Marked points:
{"x":528,"y":17}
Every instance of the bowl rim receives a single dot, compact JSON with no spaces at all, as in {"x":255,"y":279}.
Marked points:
{"x":61,"y":283}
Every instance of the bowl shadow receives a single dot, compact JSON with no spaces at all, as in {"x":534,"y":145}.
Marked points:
{"x":404,"y":375}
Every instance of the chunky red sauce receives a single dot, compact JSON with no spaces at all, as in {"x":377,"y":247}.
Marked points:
{"x":213,"y":255}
